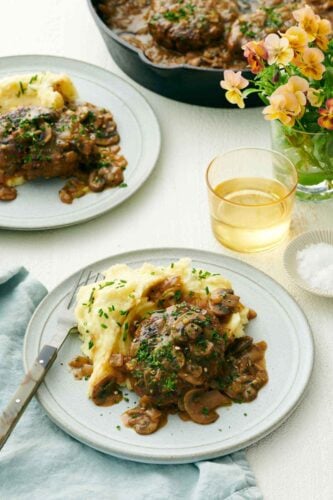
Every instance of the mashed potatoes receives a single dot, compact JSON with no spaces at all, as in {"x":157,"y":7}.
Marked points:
{"x":37,"y":89}
{"x":106,"y":311}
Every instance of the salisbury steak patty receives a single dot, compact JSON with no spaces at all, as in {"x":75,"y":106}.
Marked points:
{"x":185,"y":25}
{"x":175,"y":350}
{"x":79,"y":142}
{"x":181,"y":360}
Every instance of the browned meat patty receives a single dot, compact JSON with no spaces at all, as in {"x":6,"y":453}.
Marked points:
{"x":79,"y":142}
{"x":182,"y":361}
{"x":174,"y":350}
{"x":185,"y":25}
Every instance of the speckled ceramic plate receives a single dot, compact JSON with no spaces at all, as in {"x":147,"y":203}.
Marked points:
{"x":37,"y":205}
{"x":299,"y":243}
{"x":280,"y":322}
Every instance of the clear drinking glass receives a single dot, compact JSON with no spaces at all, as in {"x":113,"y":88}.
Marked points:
{"x":312,"y":155}
{"x":251,"y":196}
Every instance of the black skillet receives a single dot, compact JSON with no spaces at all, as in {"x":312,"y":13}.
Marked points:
{"x":183,"y":82}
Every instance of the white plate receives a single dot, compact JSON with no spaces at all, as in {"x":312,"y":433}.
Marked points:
{"x":37,"y":205}
{"x":289,"y":363}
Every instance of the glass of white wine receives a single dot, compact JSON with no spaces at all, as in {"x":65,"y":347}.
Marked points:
{"x":251,"y":196}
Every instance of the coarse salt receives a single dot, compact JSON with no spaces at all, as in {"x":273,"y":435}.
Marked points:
{"x":315,"y":266}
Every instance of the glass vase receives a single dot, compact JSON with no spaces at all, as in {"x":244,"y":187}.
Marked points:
{"x":312,"y":155}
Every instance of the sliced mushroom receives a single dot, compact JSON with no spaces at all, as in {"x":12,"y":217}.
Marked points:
{"x":200,"y":405}
{"x":84,"y":112}
{"x":180,"y":358}
{"x":7,"y":193}
{"x":143,"y":420}
{"x":79,"y":362}
{"x":192,"y":374}
{"x":82,"y":367}
{"x":96,"y":182}
{"x":185,"y":327}
{"x":103,"y":141}
{"x":113,"y":175}
{"x":106,"y":392}
{"x":46,"y":133}
{"x":223,"y":302}
{"x":251,"y":314}
{"x":202,"y":349}
{"x":165,"y":289}
{"x":65,"y":196}
{"x":239,"y":345}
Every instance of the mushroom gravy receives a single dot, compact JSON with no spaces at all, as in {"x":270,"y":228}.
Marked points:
{"x":79,"y":142}
{"x":183,"y":359}
{"x":183,"y":362}
{"x":204,"y":33}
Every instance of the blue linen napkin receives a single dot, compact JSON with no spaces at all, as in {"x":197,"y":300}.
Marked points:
{"x":41,"y":461}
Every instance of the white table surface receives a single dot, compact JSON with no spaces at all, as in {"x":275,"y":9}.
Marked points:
{"x":296,"y":461}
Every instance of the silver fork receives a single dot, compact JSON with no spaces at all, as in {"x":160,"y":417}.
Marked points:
{"x":46,"y":357}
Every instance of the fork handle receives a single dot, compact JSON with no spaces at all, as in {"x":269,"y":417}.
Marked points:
{"x":26,"y":391}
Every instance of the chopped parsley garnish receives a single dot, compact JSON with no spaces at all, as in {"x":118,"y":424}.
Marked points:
{"x":103,"y":325}
{"x":215,"y":335}
{"x":123,"y":185}
{"x":154,"y":357}
{"x":169,"y":384}
{"x":33,"y":79}
{"x":207,"y":290}
{"x":91,"y":344}
{"x":178,"y":295}
{"x":181,"y":13}
{"x":118,"y":428}
{"x":107,"y":283}
{"x":274,"y":19}
{"x":203,"y":275}
{"x":123,"y":313}
{"x":91,"y":299}
{"x":205,"y":410}
{"x":246,"y":29}
{"x":22,"y":89}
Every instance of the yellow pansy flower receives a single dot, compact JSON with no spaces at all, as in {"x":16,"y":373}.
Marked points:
{"x":315,"y":97}
{"x":297,"y":86}
{"x":278,"y":50}
{"x":323,"y":32}
{"x":234,"y":83}
{"x":310,"y":63}
{"x":308,"y":21}
{"x":326,"y":115}
{"x":297,"y":37}
{"x":284,"y":106}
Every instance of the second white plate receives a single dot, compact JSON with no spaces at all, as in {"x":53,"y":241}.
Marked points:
{"x":38,"y":205}
{"x":280,"y":322}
